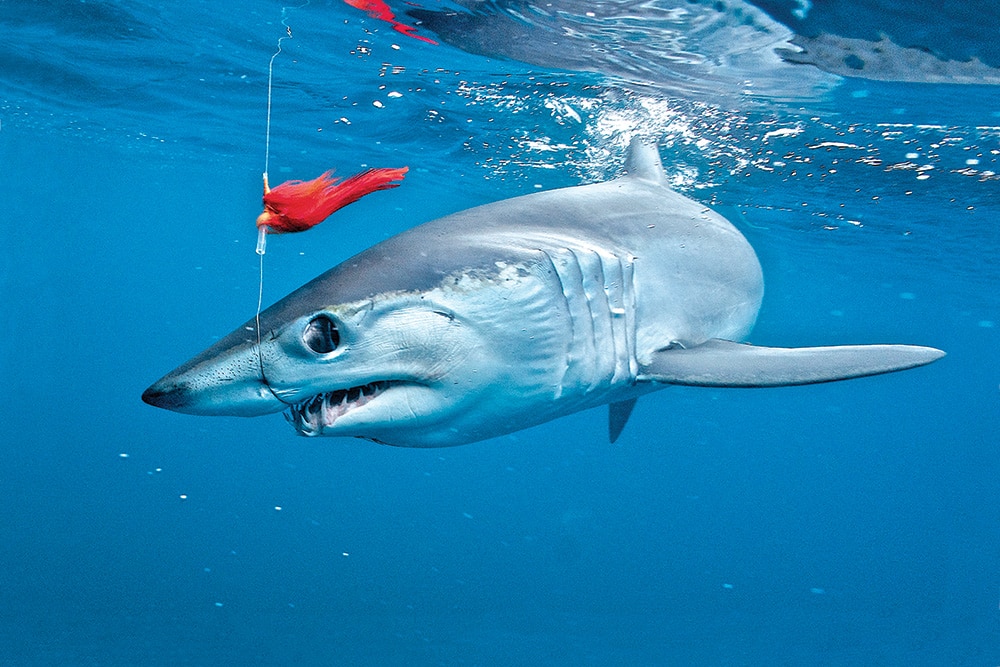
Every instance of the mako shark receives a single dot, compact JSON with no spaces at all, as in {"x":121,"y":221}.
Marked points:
{"x":511,"y":314}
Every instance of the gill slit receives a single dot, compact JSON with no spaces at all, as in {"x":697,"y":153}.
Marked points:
{"x":565,"y":367}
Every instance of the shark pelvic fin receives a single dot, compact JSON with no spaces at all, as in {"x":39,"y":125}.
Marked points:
{"x":618,"y":414}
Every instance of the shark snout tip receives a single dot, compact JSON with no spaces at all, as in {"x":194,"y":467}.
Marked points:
{"x":164,"y":396}
{"x":151,"y":397}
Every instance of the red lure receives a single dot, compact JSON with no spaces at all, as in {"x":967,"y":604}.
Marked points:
{"x":377,"y":9}
{"x":295,"y":206}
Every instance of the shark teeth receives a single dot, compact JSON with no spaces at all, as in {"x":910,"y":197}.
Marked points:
{"x":311,"y":416}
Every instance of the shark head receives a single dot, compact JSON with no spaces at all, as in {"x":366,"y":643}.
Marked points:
{"x":418,"y":367}
{"x":373,"y":369}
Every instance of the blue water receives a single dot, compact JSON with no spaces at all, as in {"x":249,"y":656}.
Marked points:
{"x":855,"y":523}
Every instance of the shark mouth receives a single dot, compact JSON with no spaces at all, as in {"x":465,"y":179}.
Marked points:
{"x":311,"y":416}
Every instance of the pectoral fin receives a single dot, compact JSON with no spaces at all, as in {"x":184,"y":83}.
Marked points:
{"x":722,"y":363}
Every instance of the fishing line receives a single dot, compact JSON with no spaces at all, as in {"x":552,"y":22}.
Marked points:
{"x":295,"y":206}
{"x":262,"y":230}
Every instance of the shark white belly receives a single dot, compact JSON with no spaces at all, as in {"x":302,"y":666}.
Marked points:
{"x":511,"y":314}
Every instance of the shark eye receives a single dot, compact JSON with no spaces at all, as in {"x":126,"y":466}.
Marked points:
{"x":321,"y":335}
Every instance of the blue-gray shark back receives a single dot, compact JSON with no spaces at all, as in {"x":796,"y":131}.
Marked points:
{"x":511,"y":314}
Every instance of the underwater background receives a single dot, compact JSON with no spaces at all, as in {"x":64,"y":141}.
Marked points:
{"x":855,"y":144}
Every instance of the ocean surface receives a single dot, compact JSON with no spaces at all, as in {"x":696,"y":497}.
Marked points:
{"x":855,"y":144}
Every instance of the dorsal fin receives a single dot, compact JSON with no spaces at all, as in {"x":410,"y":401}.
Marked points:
{"x":643,"y":161}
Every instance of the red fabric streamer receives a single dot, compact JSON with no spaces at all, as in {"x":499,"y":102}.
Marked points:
{"x":377,"y":9}
{"x":295,"y":206}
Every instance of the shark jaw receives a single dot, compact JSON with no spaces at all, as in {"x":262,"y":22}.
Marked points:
{"x":314,"y":416}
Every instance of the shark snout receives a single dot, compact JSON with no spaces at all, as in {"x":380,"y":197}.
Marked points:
{"x":217,"y":382}
{"x":166,"y":395}
{"x":240,"y":398}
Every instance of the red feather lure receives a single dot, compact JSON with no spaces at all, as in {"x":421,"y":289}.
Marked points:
{"x":377,"y":9}
{"x":295,"y":206}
